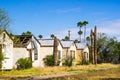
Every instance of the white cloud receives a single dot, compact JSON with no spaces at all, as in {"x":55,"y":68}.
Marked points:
{"x":73,"y":33}
{"x":112,"y":28}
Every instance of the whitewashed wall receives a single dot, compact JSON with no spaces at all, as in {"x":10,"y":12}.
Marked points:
{"x":73,"y":48}
{"x":60,"y":49}
{"x":86,"y":50}
{"x":24,"y":53}
{"x":19,"y":53}
{"x":44,"y":51}
{"x":36,"y":63}
{"x":7,"y":50}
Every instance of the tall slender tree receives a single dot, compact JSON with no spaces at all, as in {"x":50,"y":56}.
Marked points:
{"x":84,"y":24}
{"x":80,"y":33}
{"x":80,"y":24}
{"x":88,"y":40}
{"x":94,"y":46}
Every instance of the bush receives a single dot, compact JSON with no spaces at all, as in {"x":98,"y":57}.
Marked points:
{"x":79,"y":63}
{"x":49,"y":60}
{"x":85,"y":62}
{"x":68,"y":62}
{"x":24,"y":63}
{"x":1,"y":59}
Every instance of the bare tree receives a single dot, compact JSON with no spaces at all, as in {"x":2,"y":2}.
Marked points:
{"x":94,"y":46}
{"x":4,"y":20}
{"x":55,"y":51}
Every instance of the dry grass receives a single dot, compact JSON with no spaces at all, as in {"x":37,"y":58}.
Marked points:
{"x":81,"y":68}
{"x":84,"y":69}
{"x":110,"y":73}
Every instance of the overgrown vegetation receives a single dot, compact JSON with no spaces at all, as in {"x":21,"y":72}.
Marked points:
{"x":15,"y":39}
{"x":1,"y":59}
{"x":66,"y":38}
{"x":83,"y":71}
{"x":1,"y":56}
{"x":108,"y":49}
{"x":24,"y":63}
{"x":85,"y":62}
{"x":108,"y":74}
{"x":49,"y":60}
{"x":68,"y":62}
{"x":27,"y":33}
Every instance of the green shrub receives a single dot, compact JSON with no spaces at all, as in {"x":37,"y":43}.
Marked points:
{"x":1,"y":59}
{"x":24,"y":63}
{"x":49,"y":60}
{"x":79,"y":63}
{"x":85,"y":62}
{"x":1,"y":56}
{"x":68,"y":62}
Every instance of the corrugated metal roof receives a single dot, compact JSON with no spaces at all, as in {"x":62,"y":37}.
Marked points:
{"x":80,"y":45}
{"x":46,"y":42}
{"x":66,"y":44}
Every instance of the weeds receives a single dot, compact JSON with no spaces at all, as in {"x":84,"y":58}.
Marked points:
{"x":83,"y":71}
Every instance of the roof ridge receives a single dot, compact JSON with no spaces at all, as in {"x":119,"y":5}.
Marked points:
{"x":45,"y":39}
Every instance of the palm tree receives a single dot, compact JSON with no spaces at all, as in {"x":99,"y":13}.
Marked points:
{"x":80,"y":24}
{"x":88,"y":39}
{"x":67,"y":38}
{"x":40,"y":36}
{"x":52,"y":36}
{"x":27,"y":33}
{"x":84,"y":24}
{"x":80,"y":33}
{"x":76,"y":41}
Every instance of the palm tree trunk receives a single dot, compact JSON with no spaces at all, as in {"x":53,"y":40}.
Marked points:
{"x":80,"y":38}
{"x":80,"y":34}
{"x":92,"y":47}
{"x":85,"y":34}
{"x":95,"y":45}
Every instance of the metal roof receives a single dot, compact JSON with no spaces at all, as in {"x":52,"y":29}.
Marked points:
{"x":80,"y":45}
{"x":46,"y":42}
{"x":66,"y":44}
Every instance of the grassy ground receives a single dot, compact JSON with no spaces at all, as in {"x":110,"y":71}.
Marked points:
{"x":82,"y":71}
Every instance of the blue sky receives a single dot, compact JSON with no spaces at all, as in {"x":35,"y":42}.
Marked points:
{"x":58,"y":16}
